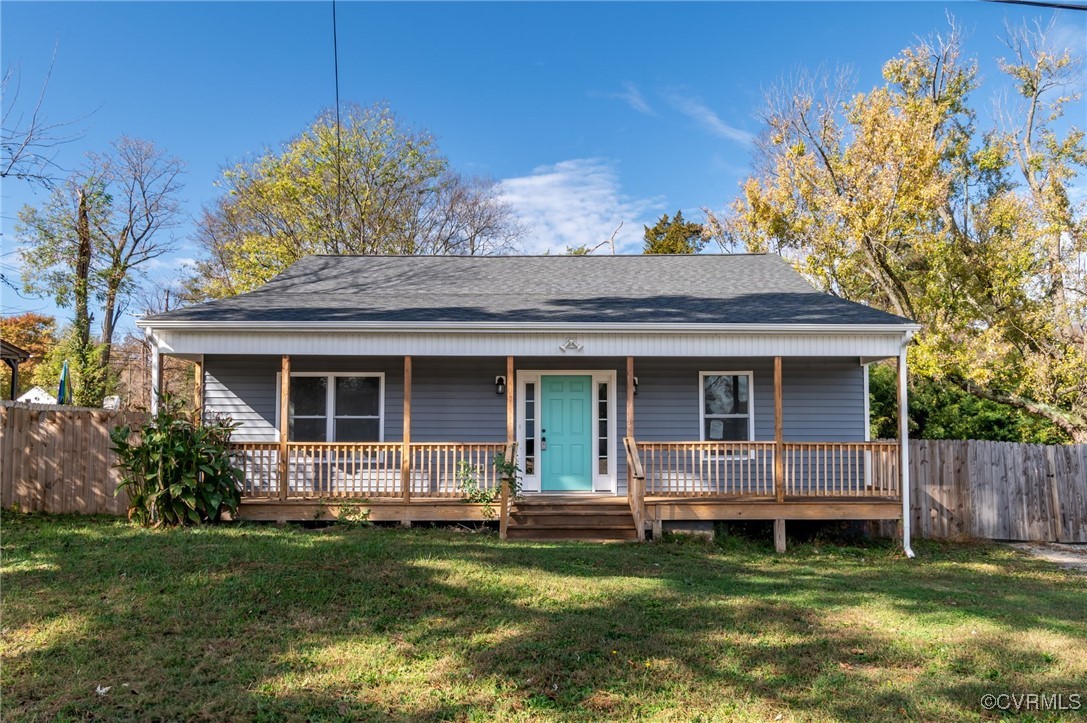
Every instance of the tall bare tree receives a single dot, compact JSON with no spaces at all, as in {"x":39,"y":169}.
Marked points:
{"x":28,"y":139}
{"x":94,"y":236}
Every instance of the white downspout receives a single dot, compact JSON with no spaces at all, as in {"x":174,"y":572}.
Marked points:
{"x":156,"y":371}
{"x":904,"y":446}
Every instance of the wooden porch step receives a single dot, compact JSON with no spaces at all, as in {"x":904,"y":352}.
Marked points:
{"x":529,"y":533}
{"x":572,"y":518}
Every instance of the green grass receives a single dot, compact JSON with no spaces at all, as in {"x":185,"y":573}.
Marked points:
{"x":258,"y":622}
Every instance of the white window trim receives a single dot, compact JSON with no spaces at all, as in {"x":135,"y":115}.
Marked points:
{"x":601,"y":482}
{"x":750,"y":405}
{"x":330,"y":401}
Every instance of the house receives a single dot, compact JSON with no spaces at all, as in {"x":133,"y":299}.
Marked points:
{"x":36,"y":395}
{"x":638,"y":390}
{"x":13,"y":356}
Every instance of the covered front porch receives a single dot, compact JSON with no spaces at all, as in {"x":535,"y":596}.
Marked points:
{"x":418,"y":478}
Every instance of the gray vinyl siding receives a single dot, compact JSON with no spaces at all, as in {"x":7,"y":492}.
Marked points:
{"x":244,"y":387}
{"x":822,"y":399}
{"x":455,"y":400}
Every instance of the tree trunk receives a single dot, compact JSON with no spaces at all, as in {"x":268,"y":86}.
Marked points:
{"x":108,"y":312}
{"x":82,"y":272}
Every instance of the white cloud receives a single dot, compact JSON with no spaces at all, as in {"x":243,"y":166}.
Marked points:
{"x":695,"y":109}
{"x":576,"y":202}
{"x":634,"y":98}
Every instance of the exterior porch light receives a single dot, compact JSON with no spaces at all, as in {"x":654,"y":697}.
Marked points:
{"x":635,"y":386}
{"x":499,"y":385}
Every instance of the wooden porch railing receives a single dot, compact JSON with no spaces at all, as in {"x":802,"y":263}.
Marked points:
{"x":809,"y":469}
{"x":698,"y":469}
{"x":435,"y":465}
{"x":842,"y":469}
{"x":660,"y":469}
{"x":364,"y":469}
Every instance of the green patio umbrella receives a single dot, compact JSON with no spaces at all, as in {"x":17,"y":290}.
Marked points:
{"x":64,"y":394}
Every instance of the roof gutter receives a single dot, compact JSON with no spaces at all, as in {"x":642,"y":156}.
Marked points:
{"x":513,"y":327}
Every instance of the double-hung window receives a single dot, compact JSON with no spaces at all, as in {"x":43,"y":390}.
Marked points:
{"x":336,"y":408}
{"x":726,"y":409}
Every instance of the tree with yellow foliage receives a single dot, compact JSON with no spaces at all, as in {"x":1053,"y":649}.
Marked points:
{"x":894,"y":198}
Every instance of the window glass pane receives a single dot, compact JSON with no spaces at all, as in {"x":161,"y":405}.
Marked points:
{"x":603,"y":428}
{"x":726,"y":394}
{"x":530,"y":429}
{"x":603,"y":465}
{"x":726,"y":430}
{"x":357,"y":396}
{"x":310,"y":429}
{"x":356,"y":430}
{"x":530,"y":466}
{"x":308,"y":396}
{"x":602,"y":391}
{"x":530,"y":447}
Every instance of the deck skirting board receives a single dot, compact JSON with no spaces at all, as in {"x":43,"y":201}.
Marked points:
{"x":790,"y":510}
{"x":453,"y":510}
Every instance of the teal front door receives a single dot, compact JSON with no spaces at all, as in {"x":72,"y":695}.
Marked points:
{"x":566,"y":433}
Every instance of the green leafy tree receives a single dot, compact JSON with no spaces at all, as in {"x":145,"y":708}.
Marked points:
{"x":90,"y":378}
{"x":369,"y":185}
{"x":941,"y":410}
{"x":32,"y":332}
{"x":673,"y":236}
{"x":896,"y":199}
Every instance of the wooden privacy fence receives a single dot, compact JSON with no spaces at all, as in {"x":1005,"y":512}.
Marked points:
{"x":58,"y":459}
{"x":998,"y":490}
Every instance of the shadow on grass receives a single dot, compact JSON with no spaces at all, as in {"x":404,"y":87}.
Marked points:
{"x":261,"y":622}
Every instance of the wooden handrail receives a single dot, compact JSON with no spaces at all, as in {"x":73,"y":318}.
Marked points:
{"x":635,"y":485}
{"x":504,"y":498}
{"x":633,"y":458}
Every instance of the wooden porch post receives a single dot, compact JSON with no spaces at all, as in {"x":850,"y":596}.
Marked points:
{"x":198,"y":391}
{"x":405,"y":452}
{"x":904,"y":450}
{"x":284,"y":423}
{"x":13,"y":364}
{"x":511,"y":438}
{"x":779,"y":456}
{"x":779,"y":436}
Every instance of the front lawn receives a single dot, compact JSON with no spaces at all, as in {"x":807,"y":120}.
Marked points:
{"x":260,"y":622}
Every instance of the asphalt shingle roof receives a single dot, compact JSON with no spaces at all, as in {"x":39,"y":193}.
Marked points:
{"x":703,"y":289}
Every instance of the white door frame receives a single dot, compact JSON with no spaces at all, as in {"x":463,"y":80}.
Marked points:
{"x":602,"y":483}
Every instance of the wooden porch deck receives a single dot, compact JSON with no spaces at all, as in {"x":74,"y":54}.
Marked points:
{"x":667,"y":481}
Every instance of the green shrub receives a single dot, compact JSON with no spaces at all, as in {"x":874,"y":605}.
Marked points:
{"x":177,"y":472}
{"x":468,"y":482}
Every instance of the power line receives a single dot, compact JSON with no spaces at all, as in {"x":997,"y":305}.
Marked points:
{"x":1045,"y":4}
{"x":339,"y":153}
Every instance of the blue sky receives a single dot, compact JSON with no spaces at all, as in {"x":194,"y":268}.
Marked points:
{"x":588,"y":114}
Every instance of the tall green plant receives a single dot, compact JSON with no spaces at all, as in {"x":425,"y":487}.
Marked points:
{"x":468,"y":482}
{"x":177,"y":472}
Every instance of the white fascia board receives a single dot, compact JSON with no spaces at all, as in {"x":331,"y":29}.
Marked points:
{"x":492,"y":327}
